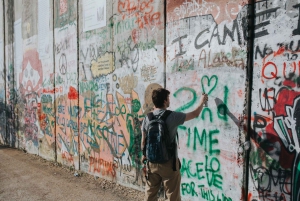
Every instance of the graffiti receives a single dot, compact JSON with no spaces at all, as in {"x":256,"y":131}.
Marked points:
{"x":64,"y":13}
{"x":143,"y":11}
{"x":63,"y":6}
{"x":93,"y":51}
{"x":148,"y":73}
{"x":66,"y":43}
{"x":235,"y":58}
{"x":128,"y":83}
{"x":95,"y":119}
{"x":276,"y":78}
{"x":220,"y":10}
{"x":212,"y":34}
{"x":130,"y":54}
{"x":206,"y":80}
{"x":209,"y":195}
{"x":31,"y":76}
{"x":179,"y":40}
{"x":103,"y":65}
{"x":101,"y":166}
{"x":267,"y":180}
{"x":29,"y":18}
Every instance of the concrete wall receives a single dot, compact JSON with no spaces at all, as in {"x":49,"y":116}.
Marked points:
{"x":274,"y":158}
{"x":78,"y":97}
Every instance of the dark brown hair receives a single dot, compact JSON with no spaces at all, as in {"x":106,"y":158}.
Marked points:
{"x":159,"y":96}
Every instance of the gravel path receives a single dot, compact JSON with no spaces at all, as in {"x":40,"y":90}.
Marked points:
{"x":29,"y":177}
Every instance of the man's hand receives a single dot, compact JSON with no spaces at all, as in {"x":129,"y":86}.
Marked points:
{"x":196,"y":112}
{"x":204,"y":99}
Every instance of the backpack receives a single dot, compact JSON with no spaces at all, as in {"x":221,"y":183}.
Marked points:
{"x":158,"y":147}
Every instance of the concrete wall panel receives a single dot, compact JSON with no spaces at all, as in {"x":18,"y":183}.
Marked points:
{"x":66,"y":73}
{"x":207,"y":53}
{"x":274,"y":156}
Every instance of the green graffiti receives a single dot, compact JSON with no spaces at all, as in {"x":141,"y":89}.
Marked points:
{"x":131,"y":132}
{"x":121,"y":110}
{"x":207,"y":170}
{"x":213,"y":141}
{"x":207,"y":110}
{"x":136,"y":105}
{"x":189,"y":188}
{"x":46,"y":99}
{"x":209,"y":195}
{"x":209,"y":80}
{"x":134,"y":128}
{"x":204,"y":140}
{"x":190,"y":103}
{"x":74,"y":111}
{"x":185,"y":168}
{"x":222,"y":108}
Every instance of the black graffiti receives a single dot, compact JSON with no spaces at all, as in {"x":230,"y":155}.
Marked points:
{"x":63,"y":45}
{"x":130,"y":55}
{"x":262,"y":16}
{"x":235,"y":30}
{"x":179,"y":39}
{"x":7,"y":130}
{"x":63,"y":64}
{"x":267,"y":179}
{"x":268,"y":105}
{"x":297,"y":31}
{"x":92,"y":52}
{"x":263,"y":53}
{"x":259,"y":121}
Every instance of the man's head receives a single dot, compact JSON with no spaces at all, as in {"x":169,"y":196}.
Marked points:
{"x":160,"y":98}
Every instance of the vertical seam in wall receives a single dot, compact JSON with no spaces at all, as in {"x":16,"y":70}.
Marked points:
{"x":4,"y":62}
{"x":54,"y":80}
{"x":251,"y":26}
{"x":78,"y":41}
{"x":165,"y":44}
{"x":13,"y":71}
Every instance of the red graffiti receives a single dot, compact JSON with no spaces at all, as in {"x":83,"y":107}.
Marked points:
{"x":143,"y":11}
{"x":68,"y":157}
{"x":281,"y":63}
{"x":31,"y":77}
{"x":102,"y":166}
{"x":132,"y":6}
{"x":285,"y":97}
{"x":73,"y":94}
{"x":53,"y":90}
{"x":63,"y":6}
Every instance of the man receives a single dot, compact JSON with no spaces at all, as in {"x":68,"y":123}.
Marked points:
{"x":165,"y":173}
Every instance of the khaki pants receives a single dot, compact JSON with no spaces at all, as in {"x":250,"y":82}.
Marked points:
{"x":158,"y":173}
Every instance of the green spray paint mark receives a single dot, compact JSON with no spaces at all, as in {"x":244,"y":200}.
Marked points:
{"x":185,"y":168}
{"x":190,"y":103}
{"x":201,"y":139}
{"x":210,"y":87}
{"x":136,"y":105}
{"x":121,"y":110}
{"x":213,"y":141}
{"x":204,"y":110}
{"x":222,"y":108}
{"x":206,"y":140}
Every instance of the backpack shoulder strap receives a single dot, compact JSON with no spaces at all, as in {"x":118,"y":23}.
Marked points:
{"x":165,"y":115}
{"x":150,"y":116}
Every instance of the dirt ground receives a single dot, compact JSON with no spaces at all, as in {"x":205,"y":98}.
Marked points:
{"x":29,"y":177}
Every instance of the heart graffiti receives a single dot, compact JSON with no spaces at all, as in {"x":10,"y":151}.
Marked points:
{"x":210,"y":85}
